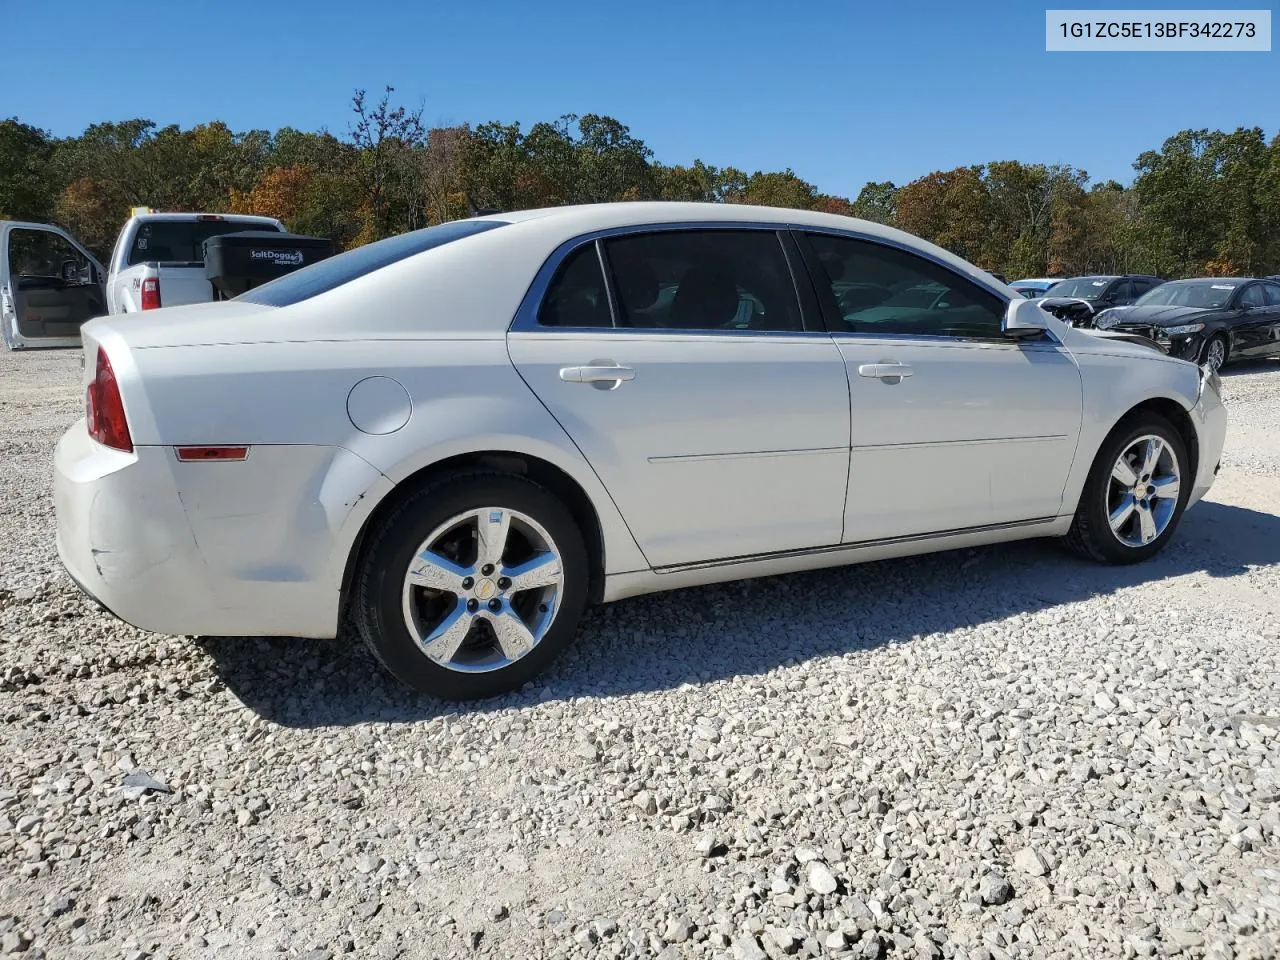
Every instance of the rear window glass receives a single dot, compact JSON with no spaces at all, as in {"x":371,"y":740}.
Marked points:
{"x":334,"y":272}
{"x":182,"y":241}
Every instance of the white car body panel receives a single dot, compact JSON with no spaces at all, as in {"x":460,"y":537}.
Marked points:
{"x":696,"y":449}
{"x":811,"y":466}
{"x":985,"y":431}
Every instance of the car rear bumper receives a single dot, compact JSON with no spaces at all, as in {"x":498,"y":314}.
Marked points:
{"x":229,"y":567}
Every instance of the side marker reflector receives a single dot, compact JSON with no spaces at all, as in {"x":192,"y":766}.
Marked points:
{"x":200,"y":454}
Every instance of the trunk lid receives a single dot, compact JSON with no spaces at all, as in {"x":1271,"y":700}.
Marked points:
{"x":199,"y":324}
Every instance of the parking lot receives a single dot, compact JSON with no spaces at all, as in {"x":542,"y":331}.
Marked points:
{"x":995,"y":753}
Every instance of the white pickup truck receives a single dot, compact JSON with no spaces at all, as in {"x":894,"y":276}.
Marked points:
{"x":158,"y":259}
{"x":50,"y":284}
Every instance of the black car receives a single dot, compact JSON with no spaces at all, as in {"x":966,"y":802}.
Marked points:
{"x":1211,"y":320}
{"x":1079,"y":299}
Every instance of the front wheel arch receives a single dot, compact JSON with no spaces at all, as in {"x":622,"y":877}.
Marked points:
{"x":1084,"y":537}
{"x":1171,"y":411}
{"x":1228,"y":346}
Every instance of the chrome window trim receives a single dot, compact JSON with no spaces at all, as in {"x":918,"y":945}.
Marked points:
{"x":983,"y":285}
{"x":962,"y":343}
{"x":526,"y":316}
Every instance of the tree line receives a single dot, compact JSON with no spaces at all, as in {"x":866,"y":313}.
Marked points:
{"x":1205,"y":202}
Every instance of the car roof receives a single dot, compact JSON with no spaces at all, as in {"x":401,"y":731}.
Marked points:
{"x":574,"y":221}
{"x":604,"y":216}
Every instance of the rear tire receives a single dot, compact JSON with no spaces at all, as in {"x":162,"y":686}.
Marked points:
{"x":1131,"y":502}
{"x":438,"y":596}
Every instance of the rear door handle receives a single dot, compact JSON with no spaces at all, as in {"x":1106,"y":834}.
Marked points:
{"x":893,"y":372}
{"x":601,"y":373}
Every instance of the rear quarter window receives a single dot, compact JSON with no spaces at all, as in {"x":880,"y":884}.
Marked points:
{"x":334,"y":272}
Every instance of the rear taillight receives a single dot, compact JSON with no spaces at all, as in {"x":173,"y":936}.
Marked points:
{"x":151,"y":293}
{"x":104,"y":410}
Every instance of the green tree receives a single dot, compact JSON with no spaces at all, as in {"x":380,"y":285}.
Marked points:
{"x":783,"y":189}
{"x":1173,"y":190}
{"x":26,"y":190}
{"x":877,"y":202}
{"x":386,"y":138}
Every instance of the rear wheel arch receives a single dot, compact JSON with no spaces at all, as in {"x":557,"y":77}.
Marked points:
{"x":540,"y":471}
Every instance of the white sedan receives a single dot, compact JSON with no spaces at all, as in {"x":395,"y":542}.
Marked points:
{"x":466,"y":434}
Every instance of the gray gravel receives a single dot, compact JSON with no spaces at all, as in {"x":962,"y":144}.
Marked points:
{"x":985,"y":754}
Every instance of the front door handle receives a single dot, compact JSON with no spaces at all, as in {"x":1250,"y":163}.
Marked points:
{"x":607,"y":376}
{"x":890,"y":372}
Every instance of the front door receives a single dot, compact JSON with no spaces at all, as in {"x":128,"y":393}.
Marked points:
{"x":51,"y":285}
{"x":718,"y":423}
{"x":1255,"y":321}
{"x":954,"y":426}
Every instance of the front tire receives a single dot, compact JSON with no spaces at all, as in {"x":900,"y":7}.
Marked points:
{"x":1216,"y":352}
{"x":472,"y":585}
{"x":1135,"y":494}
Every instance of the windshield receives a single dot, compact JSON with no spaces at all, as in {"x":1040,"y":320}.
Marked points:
{"x":1086,"y":288}
{"x":182,"y":241}
{"x":1206,"y":294}
{"x":327,"y":274}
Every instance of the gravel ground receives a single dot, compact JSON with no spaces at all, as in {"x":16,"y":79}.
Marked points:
{"x":983,"y":754}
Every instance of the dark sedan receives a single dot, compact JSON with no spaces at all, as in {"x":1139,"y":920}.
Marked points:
{"x":1078,"y":300}
{"x":1209,"y":320}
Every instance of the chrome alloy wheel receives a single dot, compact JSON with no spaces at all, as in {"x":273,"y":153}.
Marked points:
{"x":1143,"y":493}
{"x":1216,"y":355}
{"x":483,"y":590}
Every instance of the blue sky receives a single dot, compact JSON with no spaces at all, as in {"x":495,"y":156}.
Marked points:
{"x":842,"y":92}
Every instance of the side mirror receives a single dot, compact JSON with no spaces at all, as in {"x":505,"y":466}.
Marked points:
{"x":1024,"y":318}
{"x":70,"y":271}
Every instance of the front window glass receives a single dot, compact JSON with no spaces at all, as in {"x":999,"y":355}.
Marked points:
{"x":882,"y":289}
{"x":46,"y":260}
{"x":1253,"y":296}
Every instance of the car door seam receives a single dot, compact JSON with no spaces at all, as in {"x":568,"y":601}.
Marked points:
{"x":506,"y":345}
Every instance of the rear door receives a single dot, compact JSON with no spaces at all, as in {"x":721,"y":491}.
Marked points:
{"x":51,"y":285}
{"x":715,"y":416}
{"x":954,"y":426}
